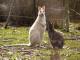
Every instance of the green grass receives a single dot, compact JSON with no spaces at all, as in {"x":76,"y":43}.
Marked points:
{"x":13,"y":36}
{"x":19,"y":35}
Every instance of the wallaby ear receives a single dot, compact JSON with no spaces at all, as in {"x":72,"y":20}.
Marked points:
{"x":43,"y":7}
{"x":39,"y":7}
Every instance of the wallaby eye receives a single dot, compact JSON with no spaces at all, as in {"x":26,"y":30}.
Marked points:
{"x":40,"y":11}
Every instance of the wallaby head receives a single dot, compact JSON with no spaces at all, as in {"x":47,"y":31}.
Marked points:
{"x":41,"y":10}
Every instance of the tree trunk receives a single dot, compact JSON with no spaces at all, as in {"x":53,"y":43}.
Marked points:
{"x":66,"y":17}
{"x":10,"y":10}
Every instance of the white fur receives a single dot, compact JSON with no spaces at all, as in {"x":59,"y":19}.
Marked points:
{"x":38,"y":28}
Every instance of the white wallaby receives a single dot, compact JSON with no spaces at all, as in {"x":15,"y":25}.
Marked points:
{"x":38,"y":28}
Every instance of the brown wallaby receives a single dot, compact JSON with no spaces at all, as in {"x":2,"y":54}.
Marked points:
{"x":56,"y":38}
{"x":37,"y":29}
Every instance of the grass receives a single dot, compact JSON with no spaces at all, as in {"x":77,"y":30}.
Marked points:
{"x":19,"y":35}
{"x":13,"y":36}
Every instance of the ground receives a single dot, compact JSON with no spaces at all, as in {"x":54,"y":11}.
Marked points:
{"x":11,"y":48}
